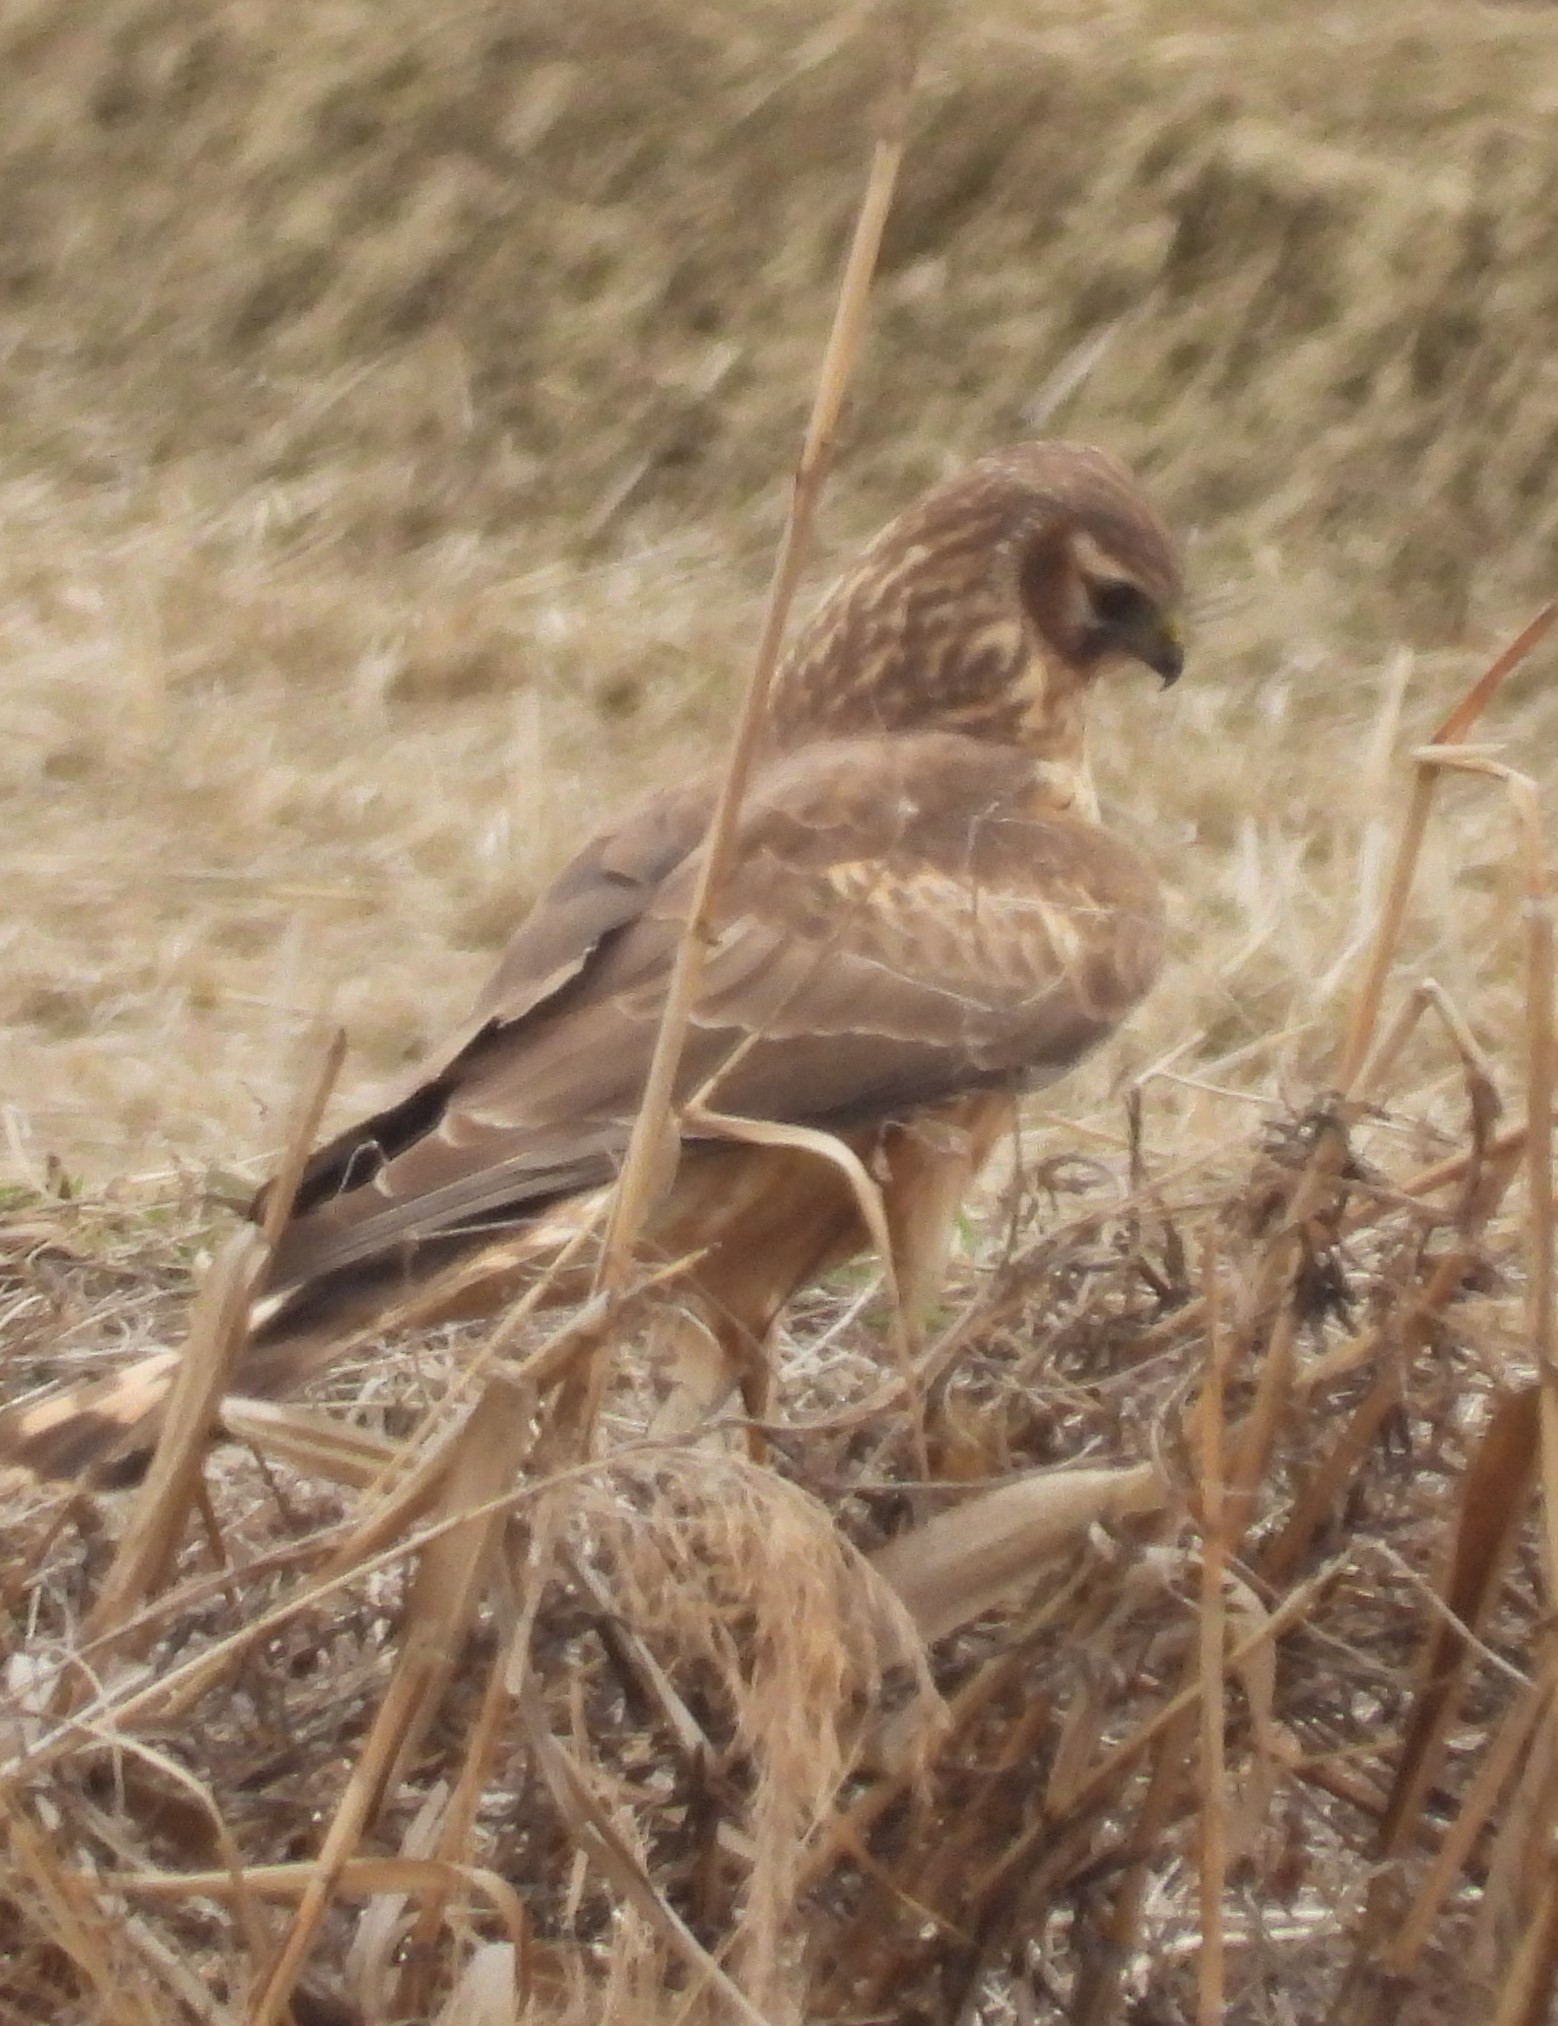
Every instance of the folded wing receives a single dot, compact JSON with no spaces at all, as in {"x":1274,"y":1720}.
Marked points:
{"x":909,"y":919}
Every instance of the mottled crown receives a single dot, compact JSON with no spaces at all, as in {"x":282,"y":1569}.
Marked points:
{"x":969,"y":598}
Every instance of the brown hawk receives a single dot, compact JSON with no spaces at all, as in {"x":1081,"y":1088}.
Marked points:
{"x":923,"y":917}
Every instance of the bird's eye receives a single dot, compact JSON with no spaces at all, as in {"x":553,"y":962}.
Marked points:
{"x":1118,"y":604}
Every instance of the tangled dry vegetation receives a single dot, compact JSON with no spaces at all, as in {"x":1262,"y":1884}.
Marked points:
{"x":368,"y":515}
{"x":1212,"y":1658}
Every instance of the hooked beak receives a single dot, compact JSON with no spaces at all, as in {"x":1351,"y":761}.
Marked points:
{"x":1161,"y":645}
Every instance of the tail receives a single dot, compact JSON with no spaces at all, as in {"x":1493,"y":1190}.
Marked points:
{"x":104,"y":1431}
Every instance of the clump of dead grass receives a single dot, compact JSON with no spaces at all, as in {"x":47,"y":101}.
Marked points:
{"x":397,"y":402}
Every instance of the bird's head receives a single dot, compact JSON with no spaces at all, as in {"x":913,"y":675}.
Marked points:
{"x":991,"y":606}
{"x":1099,"y":574}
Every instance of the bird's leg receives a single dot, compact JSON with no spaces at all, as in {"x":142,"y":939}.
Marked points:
{"x":768,"y":1219}
{"x":698,"y":1376}
{"x":705,"y":1356}
{"x":929,"y":1168}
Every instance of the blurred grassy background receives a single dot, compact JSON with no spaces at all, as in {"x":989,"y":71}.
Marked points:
{"x":397,"y":411}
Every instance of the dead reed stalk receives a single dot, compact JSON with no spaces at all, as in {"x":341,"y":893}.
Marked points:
{"x":652,"y":1149}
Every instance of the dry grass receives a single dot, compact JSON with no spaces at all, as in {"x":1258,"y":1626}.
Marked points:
{"x":400,"y":405}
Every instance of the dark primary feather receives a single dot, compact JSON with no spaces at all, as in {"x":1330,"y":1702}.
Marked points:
{"x":602,"y":890}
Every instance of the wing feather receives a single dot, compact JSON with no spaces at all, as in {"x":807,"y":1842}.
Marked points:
{"x":908,"y":919}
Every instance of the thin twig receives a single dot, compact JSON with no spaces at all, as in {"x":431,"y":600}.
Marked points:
{"x":1214,"y":1561}
{"x":1451,"y":731}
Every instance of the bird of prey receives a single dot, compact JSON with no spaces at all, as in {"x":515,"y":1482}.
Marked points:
{"x":924,"y":916}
